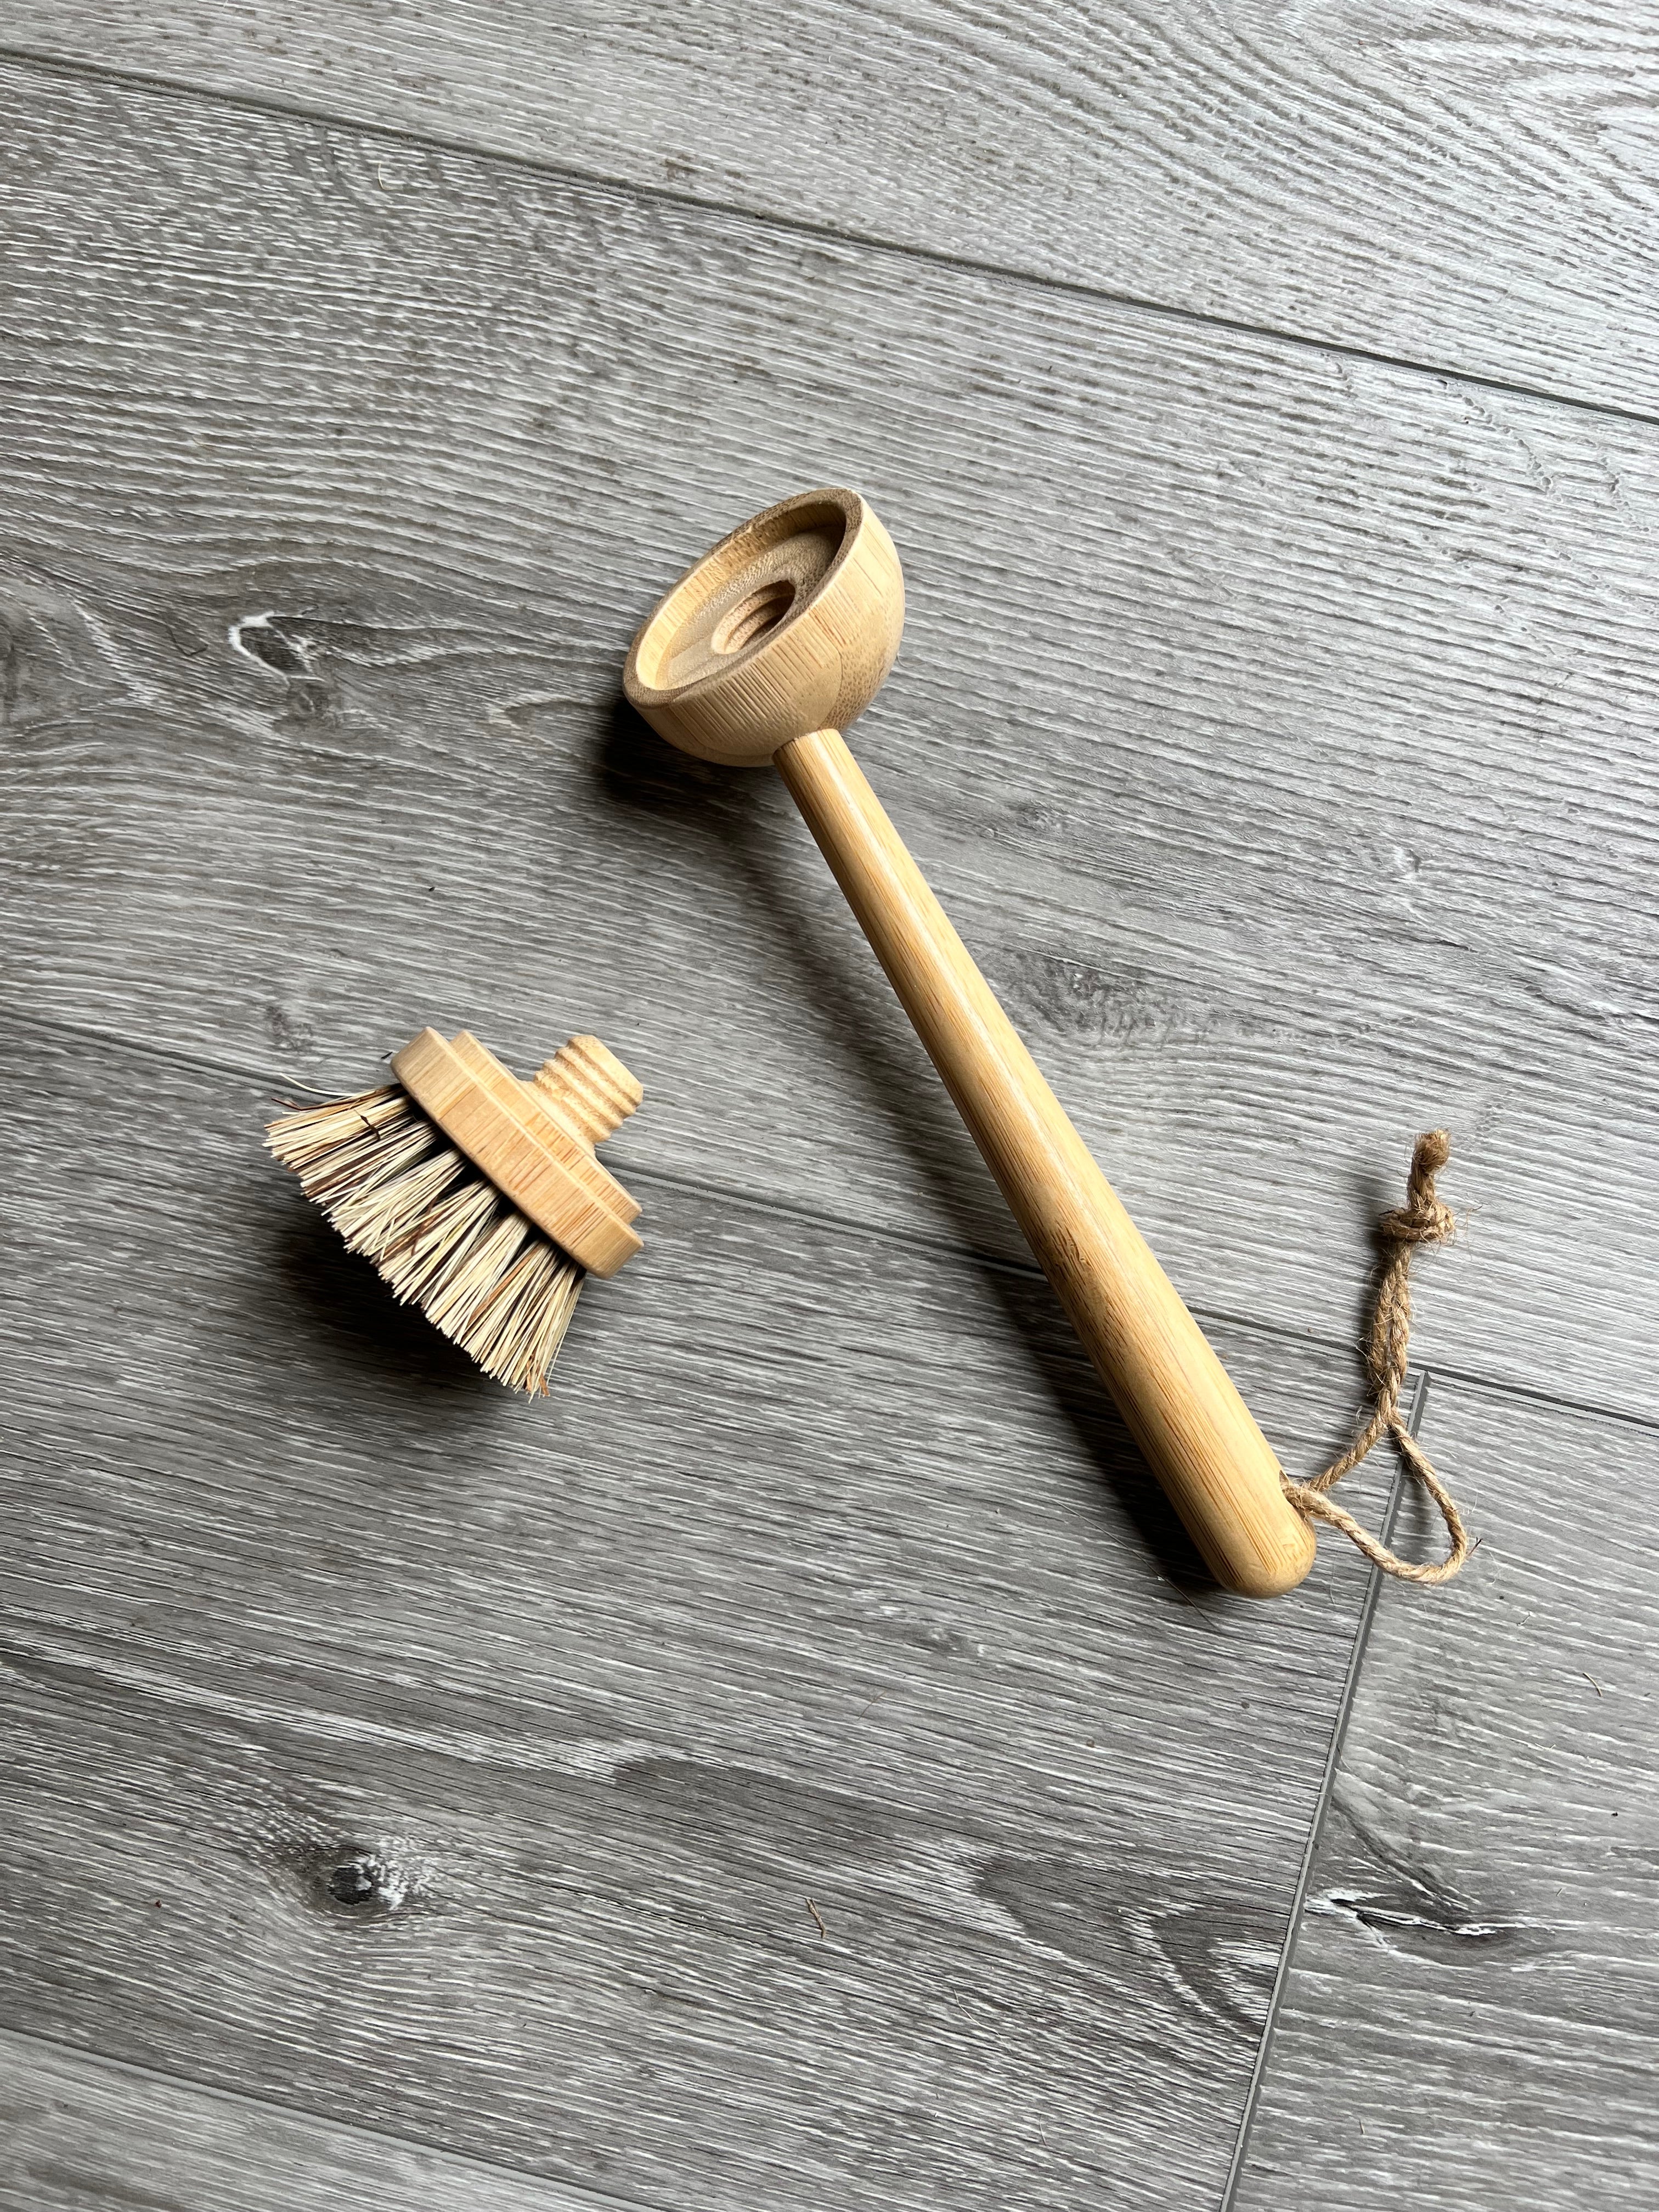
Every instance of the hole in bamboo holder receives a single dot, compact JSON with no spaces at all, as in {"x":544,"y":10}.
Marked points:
{"x":753,"y":617}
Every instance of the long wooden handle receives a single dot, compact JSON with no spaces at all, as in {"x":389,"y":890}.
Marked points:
{"x":1191,"y":1424}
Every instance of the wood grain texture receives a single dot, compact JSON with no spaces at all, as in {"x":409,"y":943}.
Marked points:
{"x":381,"y":1743}
{"x":1469,"y":187}
{"x":1473,"y":2016}
{"x":1311,"y":799}
{"x":79,"y":2134}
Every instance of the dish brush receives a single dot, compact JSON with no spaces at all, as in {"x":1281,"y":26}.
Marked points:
{"x":477,"y":1196}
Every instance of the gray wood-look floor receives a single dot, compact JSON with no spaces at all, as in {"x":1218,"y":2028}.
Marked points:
{"x":416,"y":1797}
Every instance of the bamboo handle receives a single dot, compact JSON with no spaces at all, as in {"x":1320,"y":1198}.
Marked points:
{"x":1181,"y":1406}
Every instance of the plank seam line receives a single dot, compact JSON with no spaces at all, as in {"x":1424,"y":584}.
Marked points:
{"x":633,"y":1169}
{"x":215,"y":2093}
{"x":1229,"y":2198}
{"x":800,"y":227}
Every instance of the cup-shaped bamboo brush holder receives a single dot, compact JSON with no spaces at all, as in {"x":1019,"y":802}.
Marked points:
{"x":767,"y":650}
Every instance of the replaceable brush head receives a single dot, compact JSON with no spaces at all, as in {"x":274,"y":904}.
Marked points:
{"x":495,"y":1259}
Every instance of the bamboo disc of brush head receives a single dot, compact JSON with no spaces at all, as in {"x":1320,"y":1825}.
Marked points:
{"x":535,"y":1140}
{"x":767,"y":649}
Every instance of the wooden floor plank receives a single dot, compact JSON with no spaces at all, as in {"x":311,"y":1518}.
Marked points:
{"x":1473,"y":2014}
{"x":826,"y":1576}
{"x":1466,"y":190}
{"x":1276,"y":728}
{"x":79,"y":2134}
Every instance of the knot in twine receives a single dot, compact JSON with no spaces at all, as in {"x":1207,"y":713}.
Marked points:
{"x":1423,"y":1219}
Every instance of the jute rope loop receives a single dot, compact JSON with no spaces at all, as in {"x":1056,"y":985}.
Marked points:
{"x":1423,"y":1219}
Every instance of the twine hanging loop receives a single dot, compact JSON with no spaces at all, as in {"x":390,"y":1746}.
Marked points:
{"x":1423,"y":1219}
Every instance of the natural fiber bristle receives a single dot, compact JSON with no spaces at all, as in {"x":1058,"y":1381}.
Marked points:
{"x":440,"y":1233}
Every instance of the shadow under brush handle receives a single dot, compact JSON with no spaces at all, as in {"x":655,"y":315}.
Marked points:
{"x":1195,"y":1430}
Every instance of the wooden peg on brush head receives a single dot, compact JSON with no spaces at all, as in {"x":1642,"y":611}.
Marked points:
{"x":767,"y":650}
{"x":476,"y":1195}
